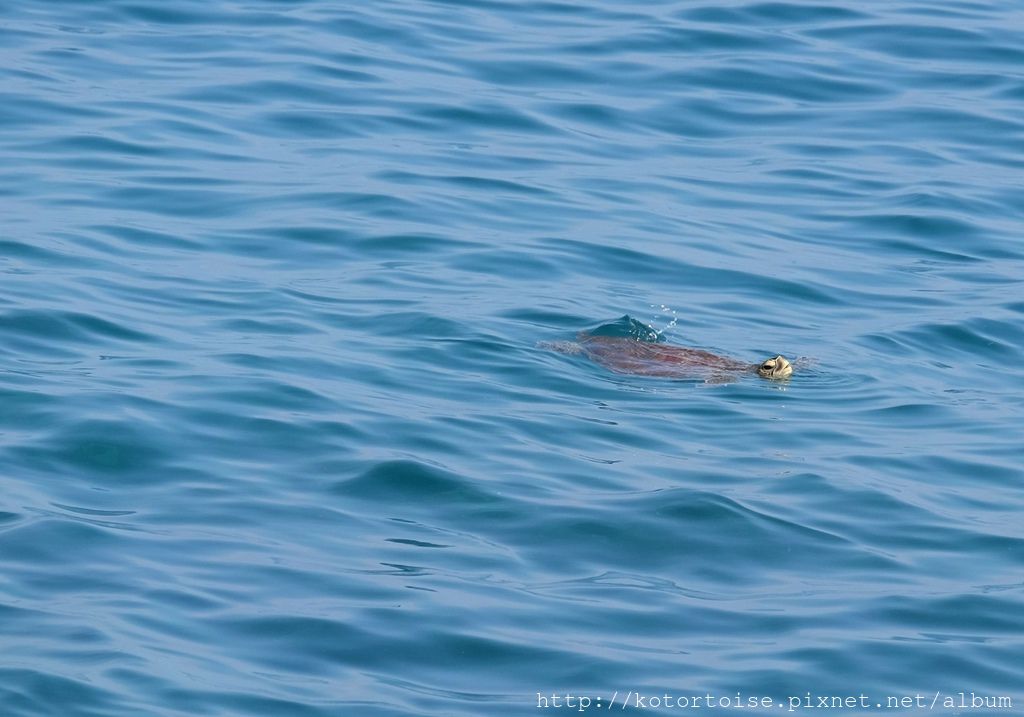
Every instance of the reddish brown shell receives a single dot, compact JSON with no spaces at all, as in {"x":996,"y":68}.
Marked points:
{"x":641,"y":358}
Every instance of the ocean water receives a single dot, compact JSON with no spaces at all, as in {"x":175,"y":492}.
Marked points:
{"x":279,"y":434}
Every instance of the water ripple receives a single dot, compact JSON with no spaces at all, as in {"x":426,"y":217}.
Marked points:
{"x":280,"y":427}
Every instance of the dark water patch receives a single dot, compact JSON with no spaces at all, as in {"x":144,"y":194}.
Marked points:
{"x":101,"y":145}
{"x":58,"y":542}
{"x":533,"y":73}
{"x":176,"y":202}
{"x":17,"y":110}
{"x":509,"y":265}
{"x":278,"y":91}
{"x":38,"y":692}
{"x":925,"y":42}
{"x":403,"y":481}
{"x":197,"y":128}
{"x":108,"y":153}
{"x":276,"y":326}
{"x":409,"y":325}
{"x":416,"y":543}
{"x":325,"y":235}
{"x":679,"y":38}
{"x":669,"y":528}
{"x":7,"y":518}
{"x":191,"y":15}
{"x":263,"y":394}
{"x":479,"y":116}
{"x":333,"y":72}
{"x":916,"y":249}
{"x":306,"y":645}
{"x":489,"y":185}
{"x":148,"y":239}
{"x":101,"y":451}
{"x":797,"y":83}
{"x":81,"y":510}
{"x":597,"y":116}
{"x":29,"y":253}
{"x":931,"y":228}
{"x":376,"y":205}
{"x":64,"y":327}
{"x":613,"y":259}
{"x":256,"y":704}
{"x":305,"y":124}
{"x":774,"y":12}
{"x":545,"y":318}
{"x":990,"y":615}
{"x":978,"y":338}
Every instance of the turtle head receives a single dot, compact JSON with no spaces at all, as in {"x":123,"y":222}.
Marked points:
{"x":777,"y":368}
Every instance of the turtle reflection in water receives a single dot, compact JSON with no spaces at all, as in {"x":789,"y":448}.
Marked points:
{"x":639,"y":353}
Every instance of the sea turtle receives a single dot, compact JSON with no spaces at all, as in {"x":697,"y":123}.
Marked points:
{"x":639,"y":352}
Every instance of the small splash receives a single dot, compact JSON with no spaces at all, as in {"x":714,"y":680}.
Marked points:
{"x":663,"y":310}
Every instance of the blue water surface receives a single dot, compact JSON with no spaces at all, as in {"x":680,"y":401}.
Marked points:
{"x":279,"y":433}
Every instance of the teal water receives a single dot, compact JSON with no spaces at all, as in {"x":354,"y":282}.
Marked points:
{"x":276,"y":434}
